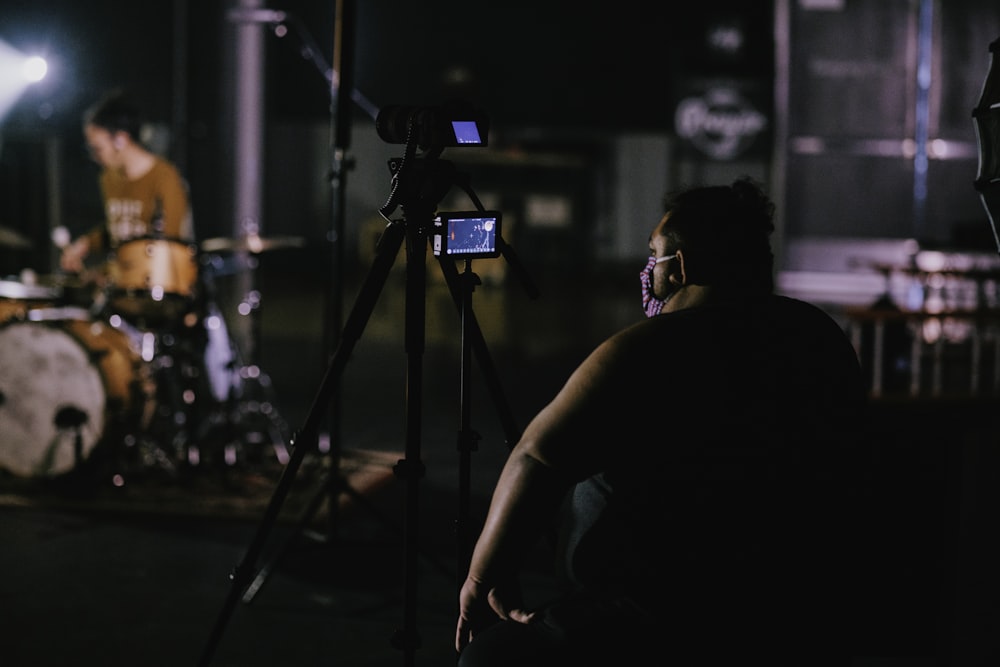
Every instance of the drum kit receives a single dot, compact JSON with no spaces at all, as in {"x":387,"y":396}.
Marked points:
{"x":129,"y":370}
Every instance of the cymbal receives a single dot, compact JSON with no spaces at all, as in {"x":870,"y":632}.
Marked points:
{"x":13,"y":239}
{"x":251,"y":243}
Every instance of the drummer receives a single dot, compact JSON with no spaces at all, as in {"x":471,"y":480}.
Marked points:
{"x":143,"y":193}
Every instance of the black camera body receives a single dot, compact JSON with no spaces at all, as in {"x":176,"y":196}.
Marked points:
{"x":466,"y":234}
{"x":452,"y":124}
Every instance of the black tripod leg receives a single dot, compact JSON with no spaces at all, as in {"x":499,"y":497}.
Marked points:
{"x":482,"y":351}
{"x":411,"y":467}
{"x":461,"y":287}
{"x":265,"y":570}
{"x":385,"y":254}
{"x":335,"y":487}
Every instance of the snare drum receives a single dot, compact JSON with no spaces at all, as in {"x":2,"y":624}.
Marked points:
{"x":153,"y":280}
{"x":17,"y":298}
{"x":66,"y":384}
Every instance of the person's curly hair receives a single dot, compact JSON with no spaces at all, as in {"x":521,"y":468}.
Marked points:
{"x":724,"y":231}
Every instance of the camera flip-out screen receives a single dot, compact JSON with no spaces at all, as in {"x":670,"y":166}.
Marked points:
{"x":456,"y":123}
{"x":467,"y":234}
{"x":467,"y":133}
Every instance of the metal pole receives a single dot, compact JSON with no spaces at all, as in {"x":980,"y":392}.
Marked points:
{"x":341,"y":79}
{"x":248,"y":126}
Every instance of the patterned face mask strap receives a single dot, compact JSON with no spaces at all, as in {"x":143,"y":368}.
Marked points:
{"x":650,"y":305}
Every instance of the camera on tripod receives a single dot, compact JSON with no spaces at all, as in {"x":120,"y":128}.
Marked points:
{"x":449,"y":125}
{"x":466,"y":234}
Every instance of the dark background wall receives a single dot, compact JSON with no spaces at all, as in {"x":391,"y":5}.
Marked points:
{"x":856,"y":113}
{"x":569,"y":79}
{"x":554,"y":77}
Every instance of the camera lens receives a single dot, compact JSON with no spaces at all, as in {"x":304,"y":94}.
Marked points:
{"x":392,"y":123}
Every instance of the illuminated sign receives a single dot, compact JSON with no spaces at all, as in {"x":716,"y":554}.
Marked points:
{"x":720,"y":122}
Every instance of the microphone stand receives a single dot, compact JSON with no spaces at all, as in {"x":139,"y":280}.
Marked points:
{"x":986,"y":122}
{"x":340,"y":78}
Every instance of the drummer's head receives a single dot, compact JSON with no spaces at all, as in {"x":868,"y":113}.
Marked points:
{"x":110,"y":126}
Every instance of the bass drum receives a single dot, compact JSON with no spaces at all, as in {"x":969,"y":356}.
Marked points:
{"x":66,"y":384}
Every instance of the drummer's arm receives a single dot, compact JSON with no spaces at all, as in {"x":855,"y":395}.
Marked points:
{"x":73,"y":255}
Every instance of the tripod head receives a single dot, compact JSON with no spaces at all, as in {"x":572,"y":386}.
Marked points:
{"x":419,"y":185}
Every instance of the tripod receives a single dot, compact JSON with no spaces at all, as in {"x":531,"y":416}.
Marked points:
{"x":420,"y":196}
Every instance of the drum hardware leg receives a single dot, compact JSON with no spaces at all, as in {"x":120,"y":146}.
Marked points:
{"x":239,"y":430}
{"x":71,"y":417}
{"x":262,"y":405}
{"x":163,"y":439}
{"x":240,"y":416}
{"x":245,"y":420}
{"x":216,"y":435}
{"x":154,"y":457}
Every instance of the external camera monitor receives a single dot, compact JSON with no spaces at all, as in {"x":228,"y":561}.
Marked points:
{"x":467,"y":234}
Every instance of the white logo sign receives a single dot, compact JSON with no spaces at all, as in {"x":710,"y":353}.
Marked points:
{"x":720,"y":123}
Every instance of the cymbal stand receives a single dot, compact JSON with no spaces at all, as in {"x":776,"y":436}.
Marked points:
{"x":240,"y":403}
{"x":305,"y":439}
{"x":339,"y":75}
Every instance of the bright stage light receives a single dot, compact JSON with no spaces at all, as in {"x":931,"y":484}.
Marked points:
{"x":34,"y":69}
{"x":17,"y":72}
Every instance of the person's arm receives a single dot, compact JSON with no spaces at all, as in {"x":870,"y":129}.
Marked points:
{"x":524,"y":500}
{"x":72,"y":257}
{"x":562,"y":445}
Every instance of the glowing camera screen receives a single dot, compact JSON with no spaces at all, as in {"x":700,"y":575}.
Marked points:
{"x":469,"y":234}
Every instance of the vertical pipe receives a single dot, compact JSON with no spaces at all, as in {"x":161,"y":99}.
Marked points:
{"x":920,"y":159}
{"x":341,"y":83}
{"x":779,"y":155}
{"x":53,"y":186}
{"x":180,"y":86}
{"x":248,"y":128}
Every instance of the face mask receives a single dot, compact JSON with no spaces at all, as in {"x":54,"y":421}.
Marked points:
{"x":650,"y":304}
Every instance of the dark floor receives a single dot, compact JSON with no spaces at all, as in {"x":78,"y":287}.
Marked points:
{"x":147,"y":574}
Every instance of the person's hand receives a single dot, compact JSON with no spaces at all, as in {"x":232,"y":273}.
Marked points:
{"x":479,"y":608}
{"x":72,"y":256}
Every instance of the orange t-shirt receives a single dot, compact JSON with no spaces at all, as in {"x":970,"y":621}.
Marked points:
{"x":156,"y":203}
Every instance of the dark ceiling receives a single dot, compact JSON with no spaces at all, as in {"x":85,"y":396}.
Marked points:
{"x":524,"y":62}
